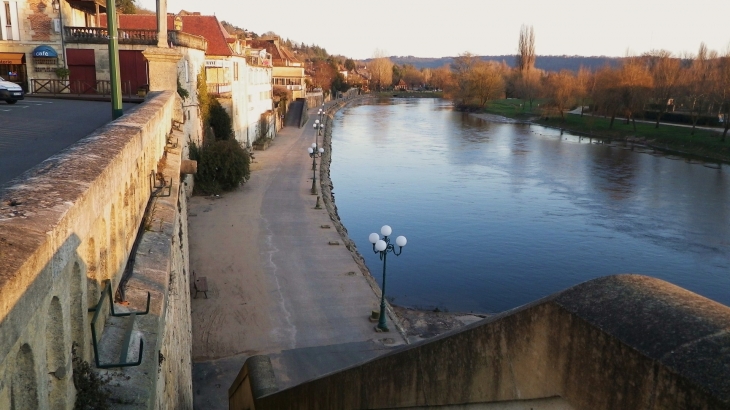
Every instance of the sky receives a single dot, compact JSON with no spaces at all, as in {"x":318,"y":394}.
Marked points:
{"x":484,"y":27}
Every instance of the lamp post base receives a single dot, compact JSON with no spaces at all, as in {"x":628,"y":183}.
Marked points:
{"x":381,"y":330}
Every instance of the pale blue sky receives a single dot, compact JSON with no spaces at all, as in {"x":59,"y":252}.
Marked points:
{"x":447,"y":28}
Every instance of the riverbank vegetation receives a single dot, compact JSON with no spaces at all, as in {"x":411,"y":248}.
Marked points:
{"x":675,"y":102}
{"x":223,"y":163}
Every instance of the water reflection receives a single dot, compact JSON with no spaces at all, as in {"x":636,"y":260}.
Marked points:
{"x":498,"y":215}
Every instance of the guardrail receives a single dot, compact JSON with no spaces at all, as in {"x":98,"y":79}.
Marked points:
{"x":78,"y":87}
{"x":100,"y":35}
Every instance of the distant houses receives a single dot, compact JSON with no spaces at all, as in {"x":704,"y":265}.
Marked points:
{"x":40,"y":40}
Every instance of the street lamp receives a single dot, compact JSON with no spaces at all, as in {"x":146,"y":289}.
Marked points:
{"x":314,"y":152}
{"x":383,"y":246}
{"x":319,"y":126}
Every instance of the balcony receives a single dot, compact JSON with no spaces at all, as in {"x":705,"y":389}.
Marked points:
{"x":100,"y":35}
{"x":220,"y":89}
{"x":180,"y":39}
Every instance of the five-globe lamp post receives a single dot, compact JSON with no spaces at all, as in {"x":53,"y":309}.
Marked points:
{"x":382,"y":246}
{"x":314,"y":152}
{"x":318,"y":126}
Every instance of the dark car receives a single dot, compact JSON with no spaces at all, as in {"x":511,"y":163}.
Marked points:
{"x":10,"y":92}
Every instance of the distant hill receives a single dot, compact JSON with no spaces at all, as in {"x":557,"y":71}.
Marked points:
{"x":547,"y":63}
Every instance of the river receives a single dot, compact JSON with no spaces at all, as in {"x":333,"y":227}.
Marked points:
{"x":499,"y":214}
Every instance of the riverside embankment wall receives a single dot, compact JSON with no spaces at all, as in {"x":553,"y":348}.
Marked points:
{"x":69,"y":225}
{"x":618,"y":342}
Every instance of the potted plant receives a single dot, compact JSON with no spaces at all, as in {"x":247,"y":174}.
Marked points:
{"x":62,"y":73}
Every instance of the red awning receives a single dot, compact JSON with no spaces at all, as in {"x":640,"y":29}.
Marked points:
{"x":11,"y":58}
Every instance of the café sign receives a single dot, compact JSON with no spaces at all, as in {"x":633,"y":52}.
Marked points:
{"x":44,"y":52}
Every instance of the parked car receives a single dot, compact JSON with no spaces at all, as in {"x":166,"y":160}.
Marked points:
{"x":10,"y":92}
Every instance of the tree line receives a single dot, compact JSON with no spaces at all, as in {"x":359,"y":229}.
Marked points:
{"x":654,"y":85}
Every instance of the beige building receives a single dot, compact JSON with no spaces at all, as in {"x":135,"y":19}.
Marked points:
{"x":288,"y":70}
{"x":238,"y":77}
{"x":30,"y":37}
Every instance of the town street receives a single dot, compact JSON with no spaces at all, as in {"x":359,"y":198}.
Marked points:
{"x":36,"y":128}
{"x":277,"y":285}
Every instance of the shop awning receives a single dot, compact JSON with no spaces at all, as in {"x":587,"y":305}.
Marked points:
{"x":11,"y":58}
{"x":44,"y":52}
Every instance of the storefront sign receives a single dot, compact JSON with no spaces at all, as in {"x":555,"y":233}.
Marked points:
{"x":214,"y":63}
{"x":44,"y":52}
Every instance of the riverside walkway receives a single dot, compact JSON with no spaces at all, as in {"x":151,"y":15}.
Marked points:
{"x":276,"y":285}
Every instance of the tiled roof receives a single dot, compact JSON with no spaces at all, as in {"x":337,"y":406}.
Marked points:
{"x":278,"y":53}
{"x":207,"y":27}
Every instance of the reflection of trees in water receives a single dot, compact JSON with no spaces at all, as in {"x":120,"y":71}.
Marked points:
{"x":474,"y":129}
{"x":614,"y":172}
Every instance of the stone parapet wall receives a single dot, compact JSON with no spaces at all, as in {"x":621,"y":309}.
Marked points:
{"x":618,"y":342}
{"x":67,"y":226}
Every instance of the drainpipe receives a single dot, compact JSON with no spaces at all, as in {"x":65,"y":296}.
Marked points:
{"x":114,"y":76}
{"x":63,"y":29}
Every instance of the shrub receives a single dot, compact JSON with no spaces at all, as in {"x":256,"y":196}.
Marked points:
{"x":220,"y":121}
{"x":181,"y":91}
{"x":222,"y":166}
{"x":91,"y":390}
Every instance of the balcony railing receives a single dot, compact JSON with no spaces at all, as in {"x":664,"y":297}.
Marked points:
{"x":78,"y":87}
{"x":100,"y":35}
{"x":181,"y":39}
{"x":220,"y":89}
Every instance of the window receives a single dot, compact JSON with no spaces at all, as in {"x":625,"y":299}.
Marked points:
{"x":235,"y":71}
{"x":9,"y":20}
{"x":45,"y":61}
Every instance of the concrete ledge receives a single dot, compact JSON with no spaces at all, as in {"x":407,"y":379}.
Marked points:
{"x":618,"y":342}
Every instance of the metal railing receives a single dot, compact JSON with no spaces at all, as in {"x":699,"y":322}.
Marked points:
{"x":100,"y":35}
{"x":220,"y":89}
{"x":78,"y":87}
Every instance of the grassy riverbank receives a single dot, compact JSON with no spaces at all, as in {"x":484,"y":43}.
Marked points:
{"x":704,"y":143}
{"x":411,"y":94}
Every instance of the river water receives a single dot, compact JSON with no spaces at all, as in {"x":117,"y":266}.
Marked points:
{"x":498,"y":214}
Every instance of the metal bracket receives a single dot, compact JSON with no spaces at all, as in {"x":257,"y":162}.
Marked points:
{"x":171,"y":142}
{"x":107,"y":292}
{"x":159,"y":190}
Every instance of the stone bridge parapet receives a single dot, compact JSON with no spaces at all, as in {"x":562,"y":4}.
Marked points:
{"x":618,"y":342}
{"x":70,"y":224}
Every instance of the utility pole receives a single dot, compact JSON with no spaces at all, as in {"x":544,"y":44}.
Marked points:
{"x":116,"y":84}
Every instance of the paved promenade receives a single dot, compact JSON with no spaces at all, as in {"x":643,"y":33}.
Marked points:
{"x":276,"y":285}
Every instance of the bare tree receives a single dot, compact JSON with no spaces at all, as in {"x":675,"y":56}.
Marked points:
{"x":561,"y":88}
{"x":526,"y":49}
{"x":381,"y":70}
{"x":441,"y":78}
{"x":722,"y":89}
{"x":412,"y":76}
{"x":666,"y":71}
{"x":461,"y":88}
{"x":527,"y":85}
{"x":584,"y":82}
{"x":606,"y":94}
{"x":696,"y":90}
{"x":634,"y":88}
{"x":427,"y":73}
{"x":486,"y":81}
